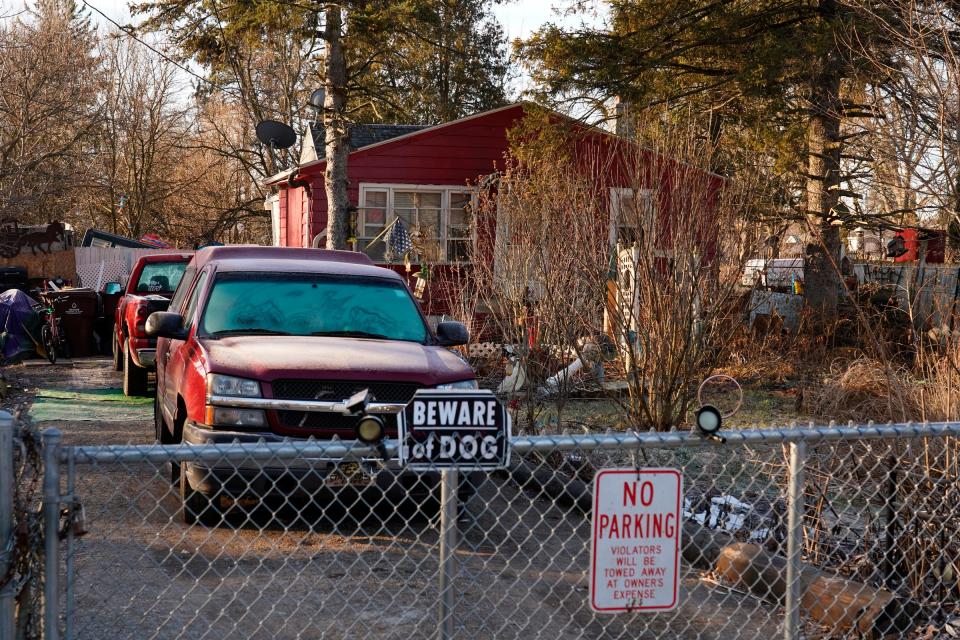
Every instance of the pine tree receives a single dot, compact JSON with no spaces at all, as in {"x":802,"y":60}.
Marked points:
{"x":381,"y":60}
{"x":774,"y":66}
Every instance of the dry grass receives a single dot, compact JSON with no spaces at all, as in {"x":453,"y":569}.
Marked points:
{"x":938,"y":394}
{"x":864,"y":389}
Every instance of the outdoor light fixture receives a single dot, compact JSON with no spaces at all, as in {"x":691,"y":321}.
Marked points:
{"x":709,"y":420}
{"x":715,"y":392}
{"x":357,"y":403}
{"x":370,"y":430}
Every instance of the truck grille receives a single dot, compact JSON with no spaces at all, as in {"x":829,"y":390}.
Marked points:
{"x":334,"y":391}
{"x":400,"y":392}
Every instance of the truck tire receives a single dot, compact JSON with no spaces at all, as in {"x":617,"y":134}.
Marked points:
{"x":195,"y":507}
{"x":164,"y":436}
{"x":134,"y":378}
{"x":117,"y":354}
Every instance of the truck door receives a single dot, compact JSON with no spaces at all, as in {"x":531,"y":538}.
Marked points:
{"x":170,"y":353}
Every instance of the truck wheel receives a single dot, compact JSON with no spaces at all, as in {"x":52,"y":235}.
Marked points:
{"x":164,"y":437}
{"x":134,"y":378}
{"x":196,"y":507}
{"x":117,"y":355}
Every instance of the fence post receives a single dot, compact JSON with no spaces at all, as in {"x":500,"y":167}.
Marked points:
{"x":71,"y":536}
{"x":448,"y":549}
{"x":51,"y":530}
{"x":795,"y":508}
{"x":7,"y":595}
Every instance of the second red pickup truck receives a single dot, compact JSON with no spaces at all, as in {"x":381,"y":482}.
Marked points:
{"x":154,"y":279}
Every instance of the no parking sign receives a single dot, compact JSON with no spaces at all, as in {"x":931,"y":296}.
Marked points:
{"x":635,"y":555}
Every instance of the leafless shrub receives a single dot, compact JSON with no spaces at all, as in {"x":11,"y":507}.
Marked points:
{"x":680,"y":253}
{"x":540,"y":270}
{"x":567,"y":267}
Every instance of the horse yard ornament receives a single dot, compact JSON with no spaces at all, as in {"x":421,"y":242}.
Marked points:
{"x":14,"y":238}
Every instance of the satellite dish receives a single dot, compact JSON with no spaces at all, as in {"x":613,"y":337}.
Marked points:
{"x":317,"y":98}
{"x":276,"y":135}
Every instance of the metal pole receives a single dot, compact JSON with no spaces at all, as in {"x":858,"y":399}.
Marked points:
{"x":68,"y":609}
{"x":448,"y":548}
{"x":51,"y":521}
{"x":7,"y":596}
{"x":795,"y":507}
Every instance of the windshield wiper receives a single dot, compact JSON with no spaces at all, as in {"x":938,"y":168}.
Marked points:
{"x":351,"y":334}
{"x":253,"y":331}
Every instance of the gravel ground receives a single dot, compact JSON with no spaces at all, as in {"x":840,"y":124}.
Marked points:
{"x":299,"y":570}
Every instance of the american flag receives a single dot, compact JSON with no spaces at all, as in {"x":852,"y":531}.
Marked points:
{"x":399,"y":239}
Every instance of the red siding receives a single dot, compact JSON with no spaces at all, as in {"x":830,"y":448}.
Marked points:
{"x":459,"y":153}
{"x":283,"y":217}
{"x":295,"y":217}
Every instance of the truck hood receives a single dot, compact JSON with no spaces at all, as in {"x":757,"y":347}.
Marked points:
{"x":269,"y":358}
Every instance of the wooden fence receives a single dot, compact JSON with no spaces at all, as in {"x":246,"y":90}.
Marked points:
{"x":117,"y":263}
{"x":928,"y":292}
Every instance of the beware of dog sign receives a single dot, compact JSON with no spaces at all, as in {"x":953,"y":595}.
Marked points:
{"x":635,"y":556}
{"x":443,"y":429}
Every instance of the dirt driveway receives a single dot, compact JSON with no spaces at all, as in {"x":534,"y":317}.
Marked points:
{"x":300,"y":570}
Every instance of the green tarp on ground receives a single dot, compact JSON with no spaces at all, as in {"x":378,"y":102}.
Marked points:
{"x":98,"y":405}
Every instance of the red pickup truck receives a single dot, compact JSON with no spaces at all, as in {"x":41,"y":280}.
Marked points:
{"x":270,"y":343}
{"x":154,"y":279}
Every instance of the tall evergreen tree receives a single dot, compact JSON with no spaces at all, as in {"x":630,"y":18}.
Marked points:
{"x":776,"y":65}
{"x":409,"y":60}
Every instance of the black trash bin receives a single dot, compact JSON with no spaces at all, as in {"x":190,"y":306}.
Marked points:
{"x":77,"y":310}
{"x":105,"y":320}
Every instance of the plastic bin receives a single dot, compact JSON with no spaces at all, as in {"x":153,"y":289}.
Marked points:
{"x":103,"y":325}
{"x":77,"y":310}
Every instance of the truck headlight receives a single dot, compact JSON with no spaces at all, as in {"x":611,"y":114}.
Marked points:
{"x":463,"y":384}
{"x":235,"y":417}
{"x":220,"y":385}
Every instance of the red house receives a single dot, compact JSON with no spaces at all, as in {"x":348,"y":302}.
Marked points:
{"x":426,"y":176}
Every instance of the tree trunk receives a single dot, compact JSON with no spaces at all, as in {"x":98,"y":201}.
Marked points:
{"x":335,"y":127}
{"x":822,"y":260}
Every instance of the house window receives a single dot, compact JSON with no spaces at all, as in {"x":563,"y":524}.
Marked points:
{"x":437,"y":218}
{"x":632,"y":213}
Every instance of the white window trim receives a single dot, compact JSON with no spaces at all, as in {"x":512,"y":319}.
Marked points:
{"x":273,"y":204}
{"x":444,"y":189}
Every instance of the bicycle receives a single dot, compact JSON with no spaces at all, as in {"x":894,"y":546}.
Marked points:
{"x":51,"y":333}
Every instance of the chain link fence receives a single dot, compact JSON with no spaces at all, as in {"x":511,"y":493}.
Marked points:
{"x":21,"y":530}
{"x":828,"y":532}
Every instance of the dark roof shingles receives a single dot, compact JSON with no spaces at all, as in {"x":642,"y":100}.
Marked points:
{"x":364,"y":135}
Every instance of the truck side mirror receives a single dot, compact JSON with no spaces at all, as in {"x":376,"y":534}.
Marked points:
{"x":452,"y":334}
{"x":112,"y":288}
{"x":166,"y":324}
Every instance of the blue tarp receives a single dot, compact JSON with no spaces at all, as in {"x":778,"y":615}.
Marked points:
{"x":18,"y":321}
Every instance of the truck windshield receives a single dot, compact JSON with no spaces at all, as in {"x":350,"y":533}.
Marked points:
{"x":311,"y":305}
{"x":160,"y":277}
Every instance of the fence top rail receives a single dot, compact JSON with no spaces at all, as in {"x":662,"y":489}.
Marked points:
{"x":350,"y":449}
